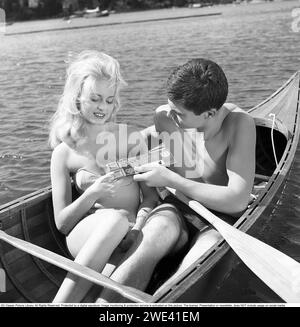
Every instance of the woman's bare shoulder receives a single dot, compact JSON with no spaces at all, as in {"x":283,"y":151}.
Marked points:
{"x":69,"y":158}
{"x":61,"y":151}
{"x":63,"y":156}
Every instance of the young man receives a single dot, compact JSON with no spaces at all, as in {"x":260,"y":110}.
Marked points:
{"x":217,"y":166}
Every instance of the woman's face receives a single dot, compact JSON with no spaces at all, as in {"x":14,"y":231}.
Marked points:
{"x":97,"y":100}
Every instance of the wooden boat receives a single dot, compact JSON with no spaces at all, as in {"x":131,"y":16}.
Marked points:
{"x":95,"y":14}
{"x":30,"y":218}
{"x":89,"y":13}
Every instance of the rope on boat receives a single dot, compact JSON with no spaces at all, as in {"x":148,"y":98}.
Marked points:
{"x":272,"y":137}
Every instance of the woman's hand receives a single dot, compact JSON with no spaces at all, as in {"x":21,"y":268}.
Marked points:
{"x":156,"y":176}
{"x":130,"y":238}
{"x":103,"y":187}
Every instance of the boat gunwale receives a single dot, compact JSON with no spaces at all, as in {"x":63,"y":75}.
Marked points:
{"x":25,"y":201}
{"x":289,"y":81}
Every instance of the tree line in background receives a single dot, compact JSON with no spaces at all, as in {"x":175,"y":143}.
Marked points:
{"x":34,"y":9}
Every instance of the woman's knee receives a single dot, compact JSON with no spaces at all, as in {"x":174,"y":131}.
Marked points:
{"x":103,"y":222}
{"x":113,"y":218}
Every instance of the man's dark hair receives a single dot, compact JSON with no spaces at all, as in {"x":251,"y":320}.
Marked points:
{"x":199,"y":85}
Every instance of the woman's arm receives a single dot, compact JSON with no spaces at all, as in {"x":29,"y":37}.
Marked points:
{"x":66,"y":213}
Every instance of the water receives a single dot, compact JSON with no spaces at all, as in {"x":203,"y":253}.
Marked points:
{"x":254,"y":44}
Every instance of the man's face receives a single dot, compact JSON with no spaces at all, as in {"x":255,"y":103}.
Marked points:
{"x":185,"y":118}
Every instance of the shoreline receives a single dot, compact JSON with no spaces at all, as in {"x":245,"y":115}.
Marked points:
{"x":113,"y":23}
{"x":58,"y":24}
{"x":132,"y":17}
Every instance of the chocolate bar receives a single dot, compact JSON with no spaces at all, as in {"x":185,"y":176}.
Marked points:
{"x":125,"y":167}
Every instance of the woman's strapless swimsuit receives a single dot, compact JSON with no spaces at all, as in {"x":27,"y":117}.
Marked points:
{"x":127,"y":195}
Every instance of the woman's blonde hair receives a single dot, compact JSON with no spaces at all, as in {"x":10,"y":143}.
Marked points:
{"x":67,"y":124}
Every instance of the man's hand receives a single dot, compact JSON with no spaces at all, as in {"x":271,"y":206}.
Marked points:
{"x":158,"y":176}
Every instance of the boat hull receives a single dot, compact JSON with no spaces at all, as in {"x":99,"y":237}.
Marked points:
{"x":30,"y":218}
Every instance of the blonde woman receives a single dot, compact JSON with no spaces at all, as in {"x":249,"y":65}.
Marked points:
{"x":108,"y":216}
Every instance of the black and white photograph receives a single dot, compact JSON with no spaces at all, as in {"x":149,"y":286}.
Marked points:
{"x":149,"y":156}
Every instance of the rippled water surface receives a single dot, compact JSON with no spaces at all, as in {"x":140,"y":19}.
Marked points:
{"x":254,"y":44}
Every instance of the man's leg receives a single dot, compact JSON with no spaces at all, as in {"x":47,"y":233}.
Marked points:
{"x":202,"y":242}
{"x":159,"y":237}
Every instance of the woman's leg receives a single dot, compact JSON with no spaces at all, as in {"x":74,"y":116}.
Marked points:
{"x":92,"y":242}
{"x":161,"y":234}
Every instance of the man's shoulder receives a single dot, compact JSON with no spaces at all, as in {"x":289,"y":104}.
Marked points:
{"x":238,"y":121}
{"x":237,"y":114}
{"x":162,"y":119}
{"x":231,"y":106}
{"x":163,"y":108}
{"x":234,"y":108}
